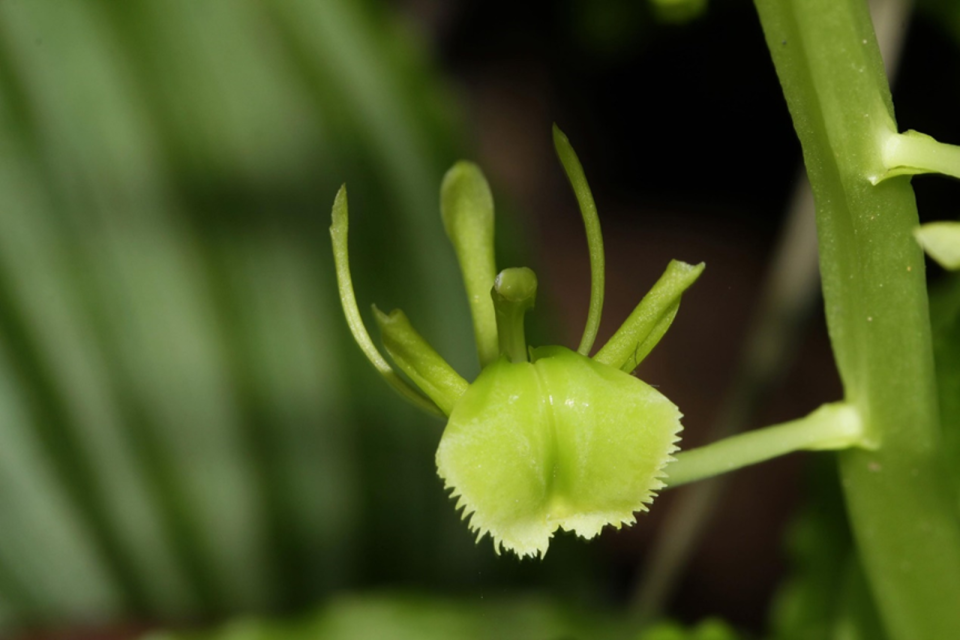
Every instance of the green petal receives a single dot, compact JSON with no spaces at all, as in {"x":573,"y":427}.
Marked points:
{"x":563,"y":442}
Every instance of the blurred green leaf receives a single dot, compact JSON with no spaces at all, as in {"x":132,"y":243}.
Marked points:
{"x":389,"y":617}
{"x":184,"y":429}
{"x":857,"y":617}
{"x":710,"y":629}
{"x":420,"y":617}
{"x":826,"y":596}
{"x":945,"y":324}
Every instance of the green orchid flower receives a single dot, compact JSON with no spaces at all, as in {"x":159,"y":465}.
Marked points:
{"x":545,"y":438}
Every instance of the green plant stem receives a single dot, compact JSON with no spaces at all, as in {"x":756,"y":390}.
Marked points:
{"x":591,"y":222}
{"x":902,"y":513}
{"x":788,"y":295}
{"x":832,"y":426}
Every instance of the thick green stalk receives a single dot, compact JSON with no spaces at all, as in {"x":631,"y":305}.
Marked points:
{"x":903,"y":516}
{"x":831,"y":427}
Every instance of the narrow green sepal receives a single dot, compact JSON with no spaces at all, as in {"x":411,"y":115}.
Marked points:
{"x":416,"y":358}
{"x":513,"y":294}
{"x":339,"y":232}
{"x":466,"y":206}
{"x":591,"y":222}
{"x":648,"y":323}
{"x":941,"y":241}
{"x":913,"y":153}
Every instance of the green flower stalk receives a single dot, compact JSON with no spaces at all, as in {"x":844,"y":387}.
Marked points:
{"x":901,"y":508}
{"x":545,"y":438}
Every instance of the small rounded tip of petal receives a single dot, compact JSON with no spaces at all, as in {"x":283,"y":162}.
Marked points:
{"x":340,"y":201}
{"x":339,"y":211}
{"x":559,"y":135}
{"x":466,"y":200}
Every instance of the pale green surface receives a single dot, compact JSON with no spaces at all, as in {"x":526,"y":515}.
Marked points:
{"x":466,"y":206}
{"x":591,"y":222}
{"x":649,"y":321}
{"x":831,"y":427}
{"x":941,"y":241}
{"x":416,"y":358}
{"x":562,"y":442}
{"x":339,"y":232}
